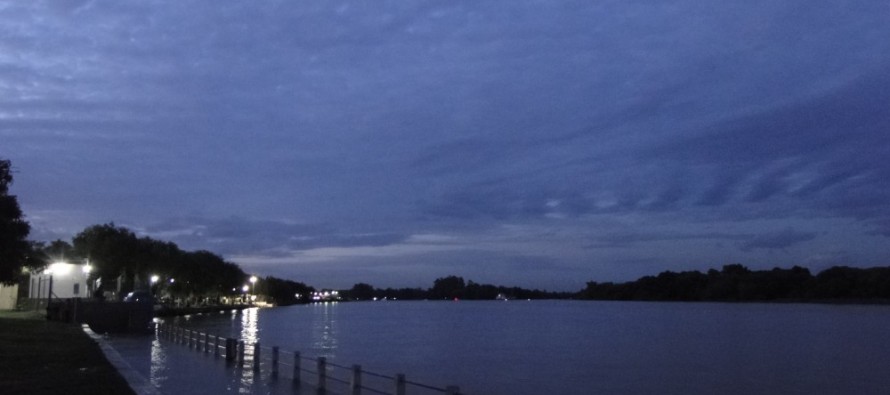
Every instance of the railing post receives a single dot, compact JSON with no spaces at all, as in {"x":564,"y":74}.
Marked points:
{"x":256,"y":357}
{"x":400,"y":384}
{"x":297,"y":368}
{"x":356,"y":383}
{"x":230,"y":349}
{"x":322,"y":374}
{"x":206,"y":343}
{"x":452,"y":390}
{"x":188,"y":335}
{"x":241,"y":353}
{"x":216,"y":347}
{"x":275,"y":362}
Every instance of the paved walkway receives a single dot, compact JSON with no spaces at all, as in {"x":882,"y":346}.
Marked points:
{"x":173,"y":369}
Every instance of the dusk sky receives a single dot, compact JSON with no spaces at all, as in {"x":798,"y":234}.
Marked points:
{"x":542,"y":144}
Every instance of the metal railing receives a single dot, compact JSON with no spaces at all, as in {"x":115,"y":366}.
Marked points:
{"x":324,"y":375}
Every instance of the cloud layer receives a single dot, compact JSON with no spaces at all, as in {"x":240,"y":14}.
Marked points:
{"x":518,"y":141}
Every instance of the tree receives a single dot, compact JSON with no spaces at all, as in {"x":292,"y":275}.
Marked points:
{"x":14,"y":246}
{"x":285,"y":292}
{"x":361,"y":291}
{"x":448,"y":287}
{"x":111,"y":250}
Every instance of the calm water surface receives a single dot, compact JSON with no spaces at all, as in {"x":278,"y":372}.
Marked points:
{"x":581,"y":347}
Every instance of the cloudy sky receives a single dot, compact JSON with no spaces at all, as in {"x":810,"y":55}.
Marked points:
{"x":517,"y":142}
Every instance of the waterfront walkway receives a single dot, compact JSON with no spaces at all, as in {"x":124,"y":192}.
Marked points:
{"x":175,"y":369}
{"x":42,"y":357}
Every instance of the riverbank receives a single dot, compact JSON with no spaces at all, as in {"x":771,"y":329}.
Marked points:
{"x":45,"y":357}
{"x":175,"y":311}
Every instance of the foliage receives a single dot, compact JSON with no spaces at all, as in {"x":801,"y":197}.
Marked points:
{"x":450,"y":287}
{"x":361,"y":291}
{"x":284,"y":292}
{"x":14,"y":246}
{"x":738,"y":283}
{"x":117,"y":252}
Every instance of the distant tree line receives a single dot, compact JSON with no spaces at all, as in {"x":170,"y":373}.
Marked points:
{"x":738,"y":283}
{"x":450,"y":287}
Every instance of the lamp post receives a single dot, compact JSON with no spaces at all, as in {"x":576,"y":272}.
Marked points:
{"x":244,"y":292}
{"x":253,"y":286}
{"x":154,"y":280}
{"x":87,"y":268}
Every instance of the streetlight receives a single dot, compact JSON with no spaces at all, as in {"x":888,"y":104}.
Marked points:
{"x":87,"y":268}
{"x":244,"y":290}
{"x":154,"y":280}
{"x":253,"y":285}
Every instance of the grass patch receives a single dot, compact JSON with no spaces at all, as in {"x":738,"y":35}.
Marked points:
{"x":41,"y":357}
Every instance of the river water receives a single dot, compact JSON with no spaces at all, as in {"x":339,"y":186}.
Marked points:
{"x":573,"y":347}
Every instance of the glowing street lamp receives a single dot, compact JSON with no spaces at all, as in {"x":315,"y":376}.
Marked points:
{"x":154,"y":280}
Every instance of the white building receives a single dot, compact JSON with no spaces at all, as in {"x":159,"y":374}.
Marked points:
{"x":8,"y":296}
{"x":68,"y":281}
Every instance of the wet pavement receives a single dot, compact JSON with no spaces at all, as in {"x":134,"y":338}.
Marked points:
{"x":174,"y":369}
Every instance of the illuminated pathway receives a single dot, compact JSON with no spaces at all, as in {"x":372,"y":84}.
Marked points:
{"x":176,"y":369}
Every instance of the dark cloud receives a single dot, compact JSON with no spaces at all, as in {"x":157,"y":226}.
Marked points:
{"x":631,"y":240}
{"x":778,"y":240}
{"x":236,"y":235}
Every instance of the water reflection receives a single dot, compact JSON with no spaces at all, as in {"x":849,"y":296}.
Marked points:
{"x":157,"y":374}
{"x":324,"y":329}
{"x":250,"y":336}
{"x":249,"y":325}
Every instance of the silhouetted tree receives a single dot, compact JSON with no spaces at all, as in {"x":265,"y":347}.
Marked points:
{"x":448,"y":287}
{"x":14,"y":246}
{"x":112,"y":252}
{"x":285,"y":292}
{"x":361,"y":291}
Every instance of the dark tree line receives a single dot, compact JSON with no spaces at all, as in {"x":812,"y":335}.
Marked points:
{"x":117,"y":254}
{"x":451,"y":287}
{"x":284,"y":292}
{"x":738,"y":283}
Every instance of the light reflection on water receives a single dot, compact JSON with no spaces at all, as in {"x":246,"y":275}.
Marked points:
{"x":249,"y":331}
{"x":158,"y":375}
{"x":324,"y":329}
{"x":250,"y":336}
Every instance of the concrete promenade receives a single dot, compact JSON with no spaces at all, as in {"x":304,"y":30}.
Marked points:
{"x":174,"y":369}
{"x":43,"y":357}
